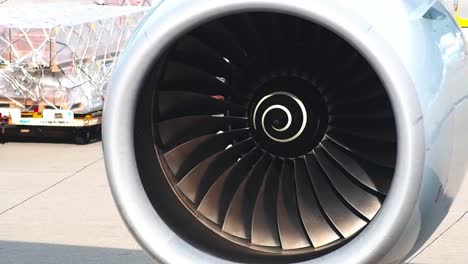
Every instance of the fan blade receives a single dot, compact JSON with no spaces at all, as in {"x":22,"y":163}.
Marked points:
{"x":378,"y":107}
{"x":179,"y":130}
{"x":292,"y":233}
{"x":186,"y":156}
{"x":357,"y":98}
{"x":380,"y":176}
{"x":380,"y":104}
{"x":238,"y":221}
{"x":264,"y":224}
{"x":190,"y":43}
{"x":376,"y":134}
{"x":319,"y":230}
{"x":338,"y":121}
{"x":369,"y":86}
{"x":381,"y":153}
{"x":267,"y":35}
{"x":201,"y":63}
{"x":201,"y":86}
{"x":365,"y":203}
{"x":173,"y":104}
{"x":276,"y":32}
{"x":192,"y":52}
{"x":313,"y":38}
{"x":350,"y":165}
{"x":177,"y":70}
{"x":353,"y":80}
{"x":342,"y":218}
{"x":216,"y":201}
{"x":245,"y":32}
{"x":197,"y":182}
{"x":220,"y":39}
{"x":379,"y":114}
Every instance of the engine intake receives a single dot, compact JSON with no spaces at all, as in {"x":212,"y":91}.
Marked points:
{"x":267,"y":132}
{"x":267,"y":138}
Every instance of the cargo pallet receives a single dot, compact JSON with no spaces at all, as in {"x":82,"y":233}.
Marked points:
{"x":49,"y":123}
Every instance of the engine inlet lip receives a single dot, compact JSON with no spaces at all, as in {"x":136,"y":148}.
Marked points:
{"x":158,"y":33}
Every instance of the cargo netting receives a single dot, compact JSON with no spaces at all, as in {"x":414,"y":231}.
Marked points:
{"x":61,"y":55}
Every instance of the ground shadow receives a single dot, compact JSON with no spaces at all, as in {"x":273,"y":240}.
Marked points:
{"x":45,"y":140}
{"x":12,"y":252}
{"x":49,"y":136}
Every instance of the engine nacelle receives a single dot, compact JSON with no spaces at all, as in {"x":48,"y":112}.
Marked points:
{"x":272,"y":131}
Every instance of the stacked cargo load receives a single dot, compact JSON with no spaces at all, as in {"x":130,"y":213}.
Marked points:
{"x":56,"y":60}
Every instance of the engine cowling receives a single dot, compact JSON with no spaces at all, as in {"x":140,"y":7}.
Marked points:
{"x":272,"y":131}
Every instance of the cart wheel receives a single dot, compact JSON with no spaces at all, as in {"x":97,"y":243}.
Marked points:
{"x":82,"y":136}
{"x":96,"y":132}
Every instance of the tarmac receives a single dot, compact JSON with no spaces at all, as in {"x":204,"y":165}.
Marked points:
{"x":56,"y":208}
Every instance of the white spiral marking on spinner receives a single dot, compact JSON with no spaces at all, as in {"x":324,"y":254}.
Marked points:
{"x":288,"y":114}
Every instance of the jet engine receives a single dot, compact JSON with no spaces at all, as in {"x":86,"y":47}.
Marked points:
{"x":272,"y":131}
